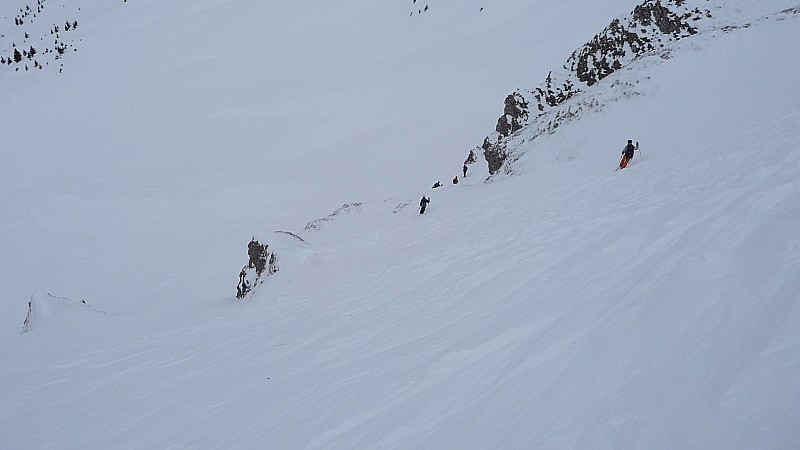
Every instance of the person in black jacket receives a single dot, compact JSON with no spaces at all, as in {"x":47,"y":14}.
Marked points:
{"x":423,"y":204}
{"x":627,"y":154}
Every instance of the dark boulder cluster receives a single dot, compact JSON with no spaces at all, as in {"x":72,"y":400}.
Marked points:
{"x":514,"y":114}
{"x":651,"y":22}
{"x":261,"y":261}
{"x":495,"y":154}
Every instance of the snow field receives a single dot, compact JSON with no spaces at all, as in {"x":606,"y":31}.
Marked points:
{"x":570,"y":306}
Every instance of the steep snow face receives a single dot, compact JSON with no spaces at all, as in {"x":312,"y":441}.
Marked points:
{"x":652,"y":28}
{"x":177,"y":131}
{"x":569,"y":306}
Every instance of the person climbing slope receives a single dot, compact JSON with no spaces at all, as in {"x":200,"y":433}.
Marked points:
{"x":627,"y":154}
{"x":423,"y":204}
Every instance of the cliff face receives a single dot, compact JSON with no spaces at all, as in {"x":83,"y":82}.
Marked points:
{"x":649,"y":27}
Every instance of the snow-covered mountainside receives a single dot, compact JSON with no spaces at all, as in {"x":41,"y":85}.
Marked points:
{"x":558,"y":303}
{"x":651,"y":30}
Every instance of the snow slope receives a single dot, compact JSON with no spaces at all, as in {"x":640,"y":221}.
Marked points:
{"x":569,"y":306}
{"x":185,"y":128}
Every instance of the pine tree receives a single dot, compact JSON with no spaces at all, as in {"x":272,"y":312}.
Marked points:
{"x":17,"y":56}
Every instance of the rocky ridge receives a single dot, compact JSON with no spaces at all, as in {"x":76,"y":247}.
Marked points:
{"x":648,"y":29}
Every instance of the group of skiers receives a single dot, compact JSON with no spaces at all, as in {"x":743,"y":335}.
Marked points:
{"x":627,"y":155}
{"x":423,"y":203}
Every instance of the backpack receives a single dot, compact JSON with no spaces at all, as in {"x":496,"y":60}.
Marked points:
{"x":629,"y":150}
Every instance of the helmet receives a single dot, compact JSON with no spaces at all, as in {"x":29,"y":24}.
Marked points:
{"x":630,"y":141}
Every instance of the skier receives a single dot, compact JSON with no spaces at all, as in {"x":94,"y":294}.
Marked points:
{"x":438,"y":184}
{"x":423,"y":204}
{"x":242,"y":286}
{"x":627,"y":154}
{"x":465,"y":170}
{"x":455,"y":180}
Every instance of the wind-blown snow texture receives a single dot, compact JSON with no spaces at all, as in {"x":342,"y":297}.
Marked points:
{"x":564,"y":306}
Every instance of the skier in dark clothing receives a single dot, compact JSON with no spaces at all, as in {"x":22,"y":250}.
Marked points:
{"x":627,"y":154}
{"x":455,"y":180}
{"x":438,"y":184}
{"x":465,"y":170}
{"x":423,"y":204}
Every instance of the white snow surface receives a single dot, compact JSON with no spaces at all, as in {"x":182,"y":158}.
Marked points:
{"x":566,"y":306}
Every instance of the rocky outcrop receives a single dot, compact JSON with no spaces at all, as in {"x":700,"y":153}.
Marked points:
{"x":650,"y":25}
{"x":514,"y":114}
{"x":261,"y":262}
{"x":495,"y":154}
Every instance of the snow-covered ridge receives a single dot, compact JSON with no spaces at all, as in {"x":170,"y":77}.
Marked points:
{"x":318,"y":224}
{"x":650,"y":26}
{"x":46,"y":310}
{"x":651,"y":29}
